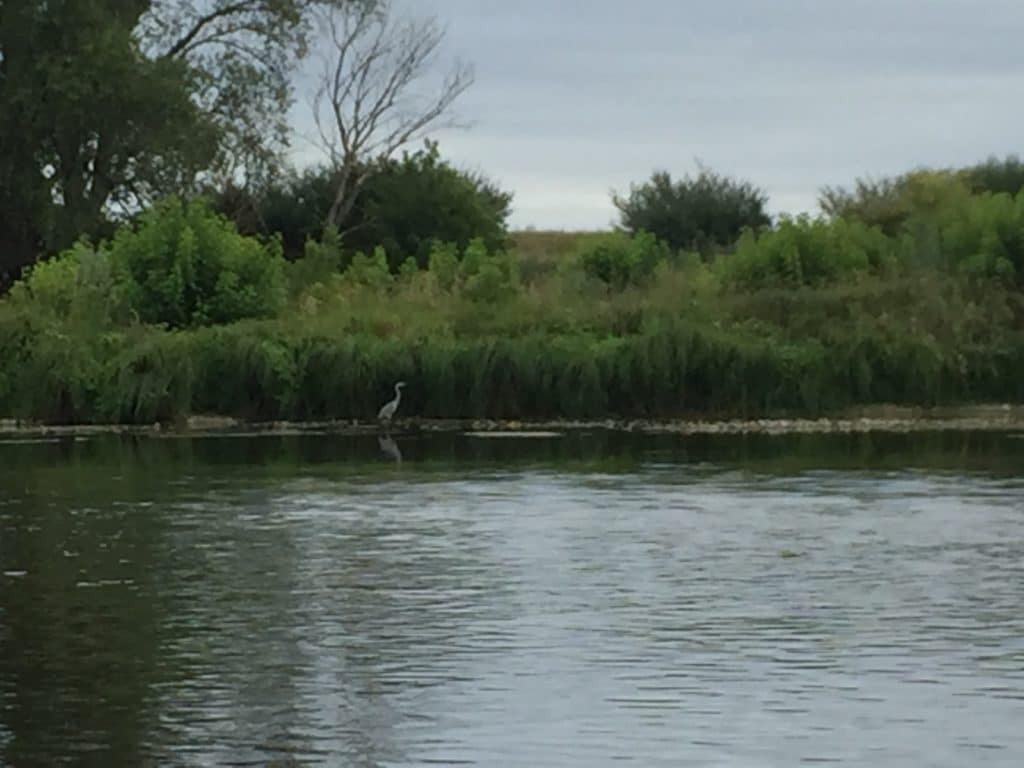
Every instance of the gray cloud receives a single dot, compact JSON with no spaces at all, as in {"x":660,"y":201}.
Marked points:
{"x":577,"y":97}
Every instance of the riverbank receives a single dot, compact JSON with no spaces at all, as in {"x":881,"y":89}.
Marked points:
{"x":993,"y":417}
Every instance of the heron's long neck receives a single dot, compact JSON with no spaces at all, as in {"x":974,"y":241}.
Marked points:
{"x":398,"y":394}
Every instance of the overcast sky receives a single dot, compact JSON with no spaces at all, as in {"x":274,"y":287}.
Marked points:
{"x":574,"y":98}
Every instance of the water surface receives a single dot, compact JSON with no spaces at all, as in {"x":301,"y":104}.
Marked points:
{"x":584,"y":600}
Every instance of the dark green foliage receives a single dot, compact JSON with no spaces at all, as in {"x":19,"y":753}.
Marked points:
{"x":58,"y":376}
{"x":149,"y":380}
{"x":320,"y":262}
{"x":183,"y":266}
{"x":264,"y":372}
{"x":404,"y":207}
{"x":64,"y":375}
{"x":113,"y":103}
{"x":244,"y":371}
{"x":618,"y":259}
{"x":76,"y":97}
{"x":695,"y":213}
{"x":293,"y":206}
{"x":410,"y":203}
{"x":812,"y":316}
{"x":995,"y":175}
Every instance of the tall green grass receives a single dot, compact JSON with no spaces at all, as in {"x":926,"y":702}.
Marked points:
{"x":268,"y":371}
{"x":805,"y":319}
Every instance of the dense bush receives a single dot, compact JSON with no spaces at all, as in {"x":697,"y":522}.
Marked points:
{"x":443,"y":263}
{"x":893,"y":203}
{"x":807,"y":252}
{"x":404,"y":206}
{"x":76,"y":285}
{"x":695,"y":213}
{"x":618,"y":259}
{"x":184,"y":265}
{"x":995,"y":175}
{"x":149,"y":379}
{"x":487,"y":276}
{"x":322,"y":260}
{"x":984,"y":237}
{"x":411,"y":202}
{"x":370,"y":270}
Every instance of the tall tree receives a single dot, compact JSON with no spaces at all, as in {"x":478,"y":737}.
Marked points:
{"x":369,"y":104}
{"x":108,"y":103}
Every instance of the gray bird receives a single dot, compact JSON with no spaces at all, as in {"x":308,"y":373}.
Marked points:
{"x":387,"y":410}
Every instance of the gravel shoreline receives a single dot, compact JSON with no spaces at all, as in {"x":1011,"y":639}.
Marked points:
{"x":1001,"y":417}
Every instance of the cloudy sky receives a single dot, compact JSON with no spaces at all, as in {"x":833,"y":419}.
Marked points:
{"x":574,"y":98}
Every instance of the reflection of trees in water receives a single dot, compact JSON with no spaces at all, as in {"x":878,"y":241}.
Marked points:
{"x":267,"y":598}
{"x":79,"y":648}
{"x":312,"y":616}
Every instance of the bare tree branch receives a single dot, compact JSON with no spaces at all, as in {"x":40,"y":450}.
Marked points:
{"x":368,"y":105}
{"x":185,"y":41}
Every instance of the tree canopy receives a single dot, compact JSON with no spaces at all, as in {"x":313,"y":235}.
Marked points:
{"x":107,"y":104}
{"x":405,"y":205}
{"x":699,"y":212}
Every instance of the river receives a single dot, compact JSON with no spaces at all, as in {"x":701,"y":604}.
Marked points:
{"x":577,"y":600}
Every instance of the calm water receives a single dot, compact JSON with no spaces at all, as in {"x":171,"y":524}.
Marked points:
{"x":585,"y":600}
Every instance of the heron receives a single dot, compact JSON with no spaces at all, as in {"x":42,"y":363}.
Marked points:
{"x":387,"y":411}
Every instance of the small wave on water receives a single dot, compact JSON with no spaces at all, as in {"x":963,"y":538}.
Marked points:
{"x":661,"y":612}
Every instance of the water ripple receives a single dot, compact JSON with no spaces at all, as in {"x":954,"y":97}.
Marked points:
{"x":523,"y":618}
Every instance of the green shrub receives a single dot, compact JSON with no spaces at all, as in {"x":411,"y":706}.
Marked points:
{"x":618,"y":259}
{"x":49,"y":285}
{"x":487,"y":277}
{"x":370,"y":271}
{"x":695,"y":213}
{"x":890,"y":203}
{"x":984,"y":238}
{"x":183,"y":266}
{"x":444,"y":264}
{"x":15,"y":337}
{"x":78,"y":285}
{"x":408,"y":270}
{"x":59,"y":375}
{"x":807,"y":252}
{"x":996,"y":176}
{"x":321,"y":261}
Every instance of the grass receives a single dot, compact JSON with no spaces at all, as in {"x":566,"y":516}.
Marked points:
{"x":550,"y":343}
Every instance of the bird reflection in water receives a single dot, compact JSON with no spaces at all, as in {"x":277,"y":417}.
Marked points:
{"x":390,"y":448}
